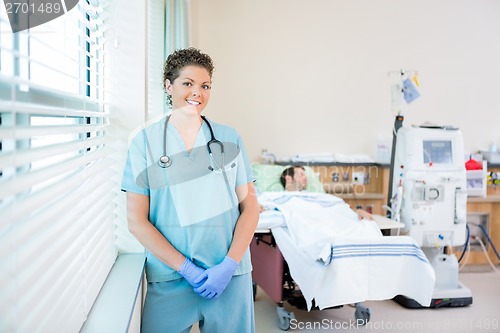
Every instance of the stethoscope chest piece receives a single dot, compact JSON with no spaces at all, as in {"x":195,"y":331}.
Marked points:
{"x":165,"y":161}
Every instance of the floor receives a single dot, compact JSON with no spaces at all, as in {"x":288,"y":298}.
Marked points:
{"x":482,"y":316}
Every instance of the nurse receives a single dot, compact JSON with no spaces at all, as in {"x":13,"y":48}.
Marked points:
{"x":196,"y":215}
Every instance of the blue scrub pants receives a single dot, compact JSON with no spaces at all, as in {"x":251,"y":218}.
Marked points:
{"x":173,"y":307}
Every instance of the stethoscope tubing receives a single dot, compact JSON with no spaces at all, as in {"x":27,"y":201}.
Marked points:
{"x":165,"y":161}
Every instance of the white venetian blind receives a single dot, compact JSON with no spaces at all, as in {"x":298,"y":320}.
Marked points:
{"x":56,"y":176}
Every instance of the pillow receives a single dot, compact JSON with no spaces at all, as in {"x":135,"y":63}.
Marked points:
{"x":268,"y":178}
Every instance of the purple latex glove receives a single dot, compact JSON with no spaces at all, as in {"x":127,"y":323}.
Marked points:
{"x":191,"y":272}
{"x":215,"y":279}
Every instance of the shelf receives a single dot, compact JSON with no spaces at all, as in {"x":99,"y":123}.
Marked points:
{"x":365,"y":196}
{"x":489,"y":198}
{"x":328,"y":164}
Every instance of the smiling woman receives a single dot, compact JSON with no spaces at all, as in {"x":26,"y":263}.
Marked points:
{"x":191,"y":88}
{"x":192,"y":62}
{"x":193,"y":255}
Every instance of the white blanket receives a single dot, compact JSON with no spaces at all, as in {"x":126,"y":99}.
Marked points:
{"x":337,"y":259}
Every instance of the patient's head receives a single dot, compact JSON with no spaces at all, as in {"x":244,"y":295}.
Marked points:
{"x":294,"y":178}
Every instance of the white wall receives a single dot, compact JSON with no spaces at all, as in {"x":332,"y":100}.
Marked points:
{"x":311,"y":76}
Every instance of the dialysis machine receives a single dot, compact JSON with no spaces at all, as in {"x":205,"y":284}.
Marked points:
{"x":428,"y":195}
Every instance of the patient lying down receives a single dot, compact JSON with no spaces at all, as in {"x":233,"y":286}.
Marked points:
{"x":294,"y":179}
{"x":314,"y":220}
{"x":336,"y":258}
{"x":339,"y":256}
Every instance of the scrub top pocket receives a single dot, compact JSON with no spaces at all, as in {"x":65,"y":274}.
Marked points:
{"x":205,"y":197}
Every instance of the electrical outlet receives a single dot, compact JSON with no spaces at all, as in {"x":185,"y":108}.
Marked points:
{"x":358,"y":178}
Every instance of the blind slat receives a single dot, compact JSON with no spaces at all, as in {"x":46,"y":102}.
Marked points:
{"x":28,"y":132}
{"x":24,"y":182}
{"x":47,"y":267}
{"x":9,"y":83}
{"x":66,"y":306}
{"x":62,"y":257}
{"x":55,"y":70}
{"x":53,"y":280}
{"x":97,"y":244}
{"x":97,"y":206}
{"x":40,"y":110}
{"x":56,"y":192}
{"x":21,"y":158}
{"x":37,"y":234}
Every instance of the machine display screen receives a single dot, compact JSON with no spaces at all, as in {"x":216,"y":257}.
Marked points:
{"x":438,"y":152}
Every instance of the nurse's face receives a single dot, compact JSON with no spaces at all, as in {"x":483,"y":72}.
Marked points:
{"x":191,"y":89}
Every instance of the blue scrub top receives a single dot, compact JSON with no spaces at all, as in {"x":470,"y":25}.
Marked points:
{"x":192,"y":202}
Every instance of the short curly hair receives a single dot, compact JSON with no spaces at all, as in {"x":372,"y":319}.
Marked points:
{"x":182,"y":58}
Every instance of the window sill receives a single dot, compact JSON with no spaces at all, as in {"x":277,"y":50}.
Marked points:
{"x":113,"y":308}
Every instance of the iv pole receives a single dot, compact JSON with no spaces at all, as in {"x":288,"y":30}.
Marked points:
{"x":397,"y":95}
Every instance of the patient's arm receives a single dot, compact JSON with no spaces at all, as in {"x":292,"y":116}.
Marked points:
{"x":362,"y":214}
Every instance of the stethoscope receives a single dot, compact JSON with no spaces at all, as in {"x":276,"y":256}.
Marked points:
{"x":165,"y":160}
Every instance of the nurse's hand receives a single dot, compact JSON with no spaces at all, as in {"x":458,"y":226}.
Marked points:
{"x":190,"y":272}
{"x":216,"y":279}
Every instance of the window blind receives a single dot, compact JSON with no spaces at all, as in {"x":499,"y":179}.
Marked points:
{"x":57,"y":180}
